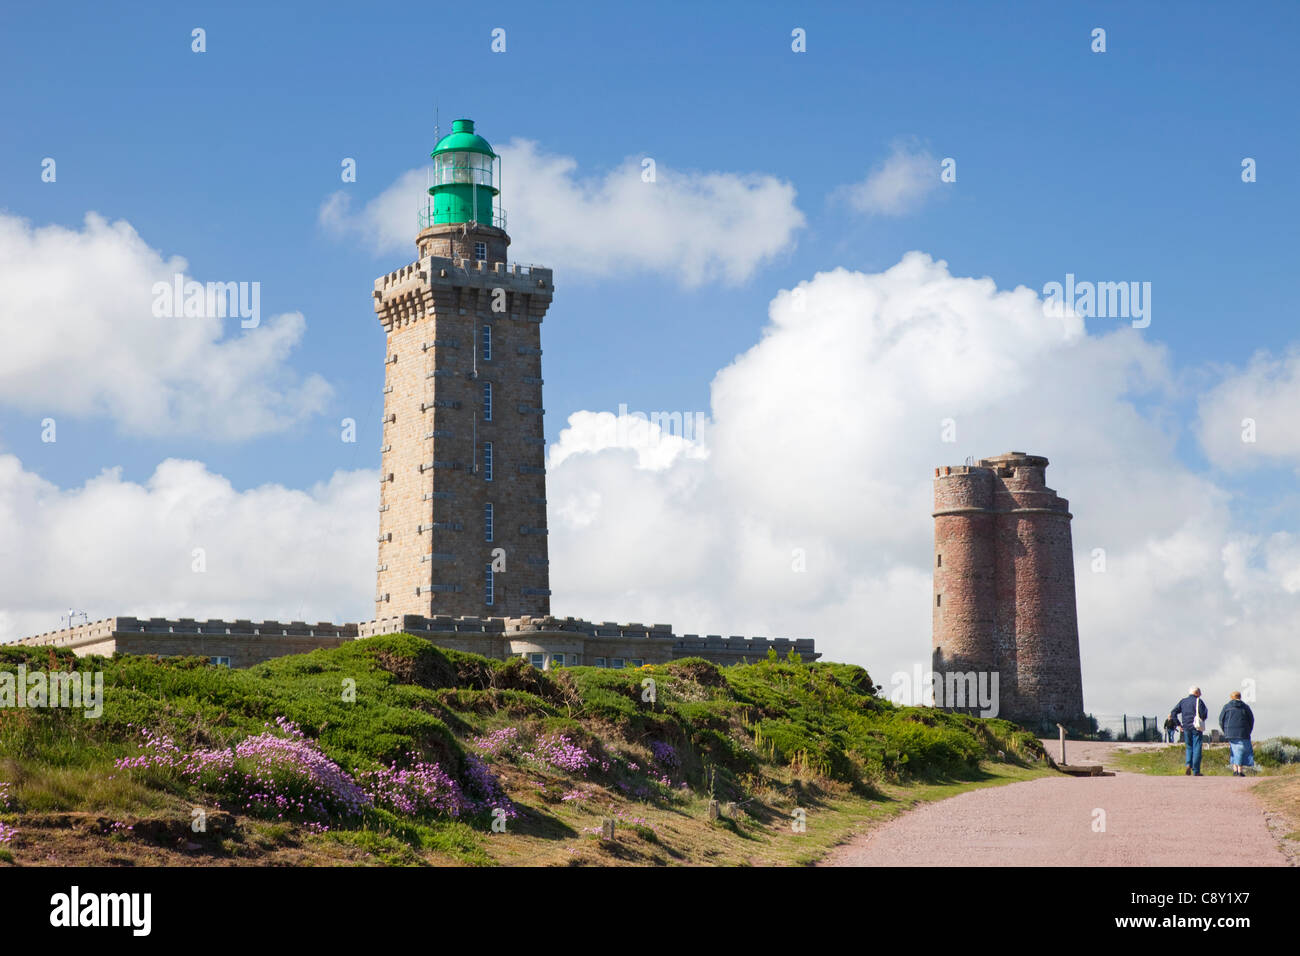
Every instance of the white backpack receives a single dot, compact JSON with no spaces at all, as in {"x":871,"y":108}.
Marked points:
{"x":1198,"y":721}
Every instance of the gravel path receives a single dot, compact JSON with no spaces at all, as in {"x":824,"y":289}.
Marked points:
{"x":1149,"y":821}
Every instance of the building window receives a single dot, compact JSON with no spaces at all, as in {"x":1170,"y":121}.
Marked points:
{"x":637,"y":662}
{"x":600,"y":662}
{"x":489,"y":590}
{"x":938,"y":600}
{"x":487,"y":401}
{"x":537,"y":660}
{"x":938,"y":561}
{"x":616,"y":662}
{"x":487,"y":521}
{"x":480,"y":250}
{"x":557,"y":660}
{"x":487,"y":343}
{"x":487,"y":461}
{"x":219,"y":661}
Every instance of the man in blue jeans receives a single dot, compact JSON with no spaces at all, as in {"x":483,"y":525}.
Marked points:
{"x":1192,"y":714}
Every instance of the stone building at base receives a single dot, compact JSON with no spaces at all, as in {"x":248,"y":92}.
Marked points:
{"x":544,"y":641}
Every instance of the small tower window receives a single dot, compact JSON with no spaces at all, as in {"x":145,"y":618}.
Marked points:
{"x":938,"y":600}
{"x":938,"y":561}
{"x":487,"y":343}
{"x":487,"y":461}
{"x":487,"y":521}
{"x":487,"y":401}
{"x":480,"y":251}
{"x":489,"y":592}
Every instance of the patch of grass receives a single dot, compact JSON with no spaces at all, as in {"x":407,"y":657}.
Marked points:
{"x":771,"y":737}
{"x":1170,"y":761}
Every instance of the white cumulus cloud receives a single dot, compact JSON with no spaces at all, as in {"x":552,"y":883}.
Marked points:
{"x":1250,"y":417}
{"x":78,"y":336}
{"x":898,"y":185}
{"x":692,"y":226}
{"x":115,"y":547}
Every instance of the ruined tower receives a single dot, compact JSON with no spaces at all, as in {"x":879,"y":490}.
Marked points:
{"x":1004,"y":586}
{"x":462,"y":523}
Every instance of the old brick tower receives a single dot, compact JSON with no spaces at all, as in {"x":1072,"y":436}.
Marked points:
{"x":462,"y":524}
{"x":1004,"y":586}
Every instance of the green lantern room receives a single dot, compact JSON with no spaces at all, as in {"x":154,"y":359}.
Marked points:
{"x":463,"y":209}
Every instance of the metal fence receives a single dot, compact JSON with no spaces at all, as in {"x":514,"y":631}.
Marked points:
{"x":1129,"y":727}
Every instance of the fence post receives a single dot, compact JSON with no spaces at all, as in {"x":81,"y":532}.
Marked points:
{"x":1124,"y":717}
{"x":1061,"y":727}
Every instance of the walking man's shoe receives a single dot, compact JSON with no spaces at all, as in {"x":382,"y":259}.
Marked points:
{"x":1188,"y":771}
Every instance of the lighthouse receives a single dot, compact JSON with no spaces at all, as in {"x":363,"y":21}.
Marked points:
{"x":462,"y":485}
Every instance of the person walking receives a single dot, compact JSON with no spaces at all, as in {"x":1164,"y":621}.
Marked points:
{"x":1237,"y":720}
{"x":1171,"y":726}
{"x":1191,"y":713}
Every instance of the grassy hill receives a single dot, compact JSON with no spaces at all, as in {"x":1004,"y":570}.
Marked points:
{"x":392,"y":751}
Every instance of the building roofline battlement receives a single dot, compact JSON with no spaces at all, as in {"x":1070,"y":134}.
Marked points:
{"x":122,"y":626}
{"x":443,"y":270}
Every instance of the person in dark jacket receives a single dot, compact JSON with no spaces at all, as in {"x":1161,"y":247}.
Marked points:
{"x":1171,"y":726}
{"x":1237,"y":720}
{"x":1191,"y":713}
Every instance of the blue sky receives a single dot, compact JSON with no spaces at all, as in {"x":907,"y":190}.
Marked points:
{"x":1123,"y":165}
{"x":1113,"y":165}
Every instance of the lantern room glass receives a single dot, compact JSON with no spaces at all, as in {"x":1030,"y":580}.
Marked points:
{"x":462,"y":168}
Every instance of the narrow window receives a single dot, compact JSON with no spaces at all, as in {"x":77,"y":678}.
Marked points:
{"x":487,"y":401}
{"x":616,"y":662}
{"x":637,"y":662}
{"x":487,"y":521}
{"x":557,"y":660}
{"x":487,"y":343}
{"x":600,"y":662}
{"x":488,"y":589}
{"x":938,"y":561}
{"x":537,"y":660}
{"x":480,"y":250}
{"x":938,"y":600}
{"x":487,"y":461}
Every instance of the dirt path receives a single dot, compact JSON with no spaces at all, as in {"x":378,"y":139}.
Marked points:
{"x":1149,"y":821}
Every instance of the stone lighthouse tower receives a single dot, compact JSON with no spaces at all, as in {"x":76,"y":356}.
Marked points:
{"x":1004,"y":586}
{"x":462,"y":502}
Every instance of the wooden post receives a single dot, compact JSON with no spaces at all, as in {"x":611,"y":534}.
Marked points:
{"x":713,"y":809}
{"x":1062,"y":729}
{"x":607,"y":829}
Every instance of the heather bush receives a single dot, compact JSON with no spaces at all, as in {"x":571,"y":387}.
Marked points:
{"x":418,"y":789}
{"x":558,"y":751}
{"x":269,"y":774}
